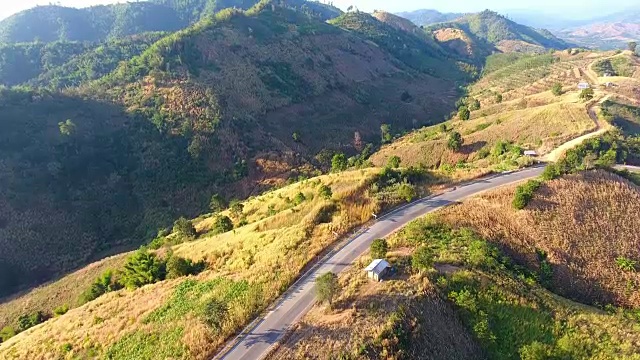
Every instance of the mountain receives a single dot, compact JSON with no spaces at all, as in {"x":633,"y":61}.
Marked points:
{"x":608,"y":32}
{"x":238,"y":103}
{"x":429,"y":17}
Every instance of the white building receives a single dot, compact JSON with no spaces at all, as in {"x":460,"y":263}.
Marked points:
{"x":583,"y":85}
{"x":377,"y":269}
{"x":531,"y":153}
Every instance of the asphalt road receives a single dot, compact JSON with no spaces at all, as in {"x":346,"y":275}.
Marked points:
{"x":257,"y":342}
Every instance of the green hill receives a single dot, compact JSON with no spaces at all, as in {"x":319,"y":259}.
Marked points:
{"x":427,"y":17}
{"x":233,"y":105}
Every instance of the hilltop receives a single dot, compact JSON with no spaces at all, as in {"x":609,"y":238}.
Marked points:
{"x":427,"y":17}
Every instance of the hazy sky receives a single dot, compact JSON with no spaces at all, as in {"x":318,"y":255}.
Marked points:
{"x":569,"y":8}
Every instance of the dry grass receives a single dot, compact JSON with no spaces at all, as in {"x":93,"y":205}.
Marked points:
{"x":540,"y":127}
{"x":583,"y":222}
{"x":262,"y":258}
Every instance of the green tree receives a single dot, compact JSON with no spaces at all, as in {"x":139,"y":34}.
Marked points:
{"x":61,"y":310}
{"x":299,"y":199}
{"x":184,"y":227}
{"x":236,"y":208}
{"x":394,"y":162}
{"x":339,"y":162}
{"x":499,"y":98}
{"x":455,"y":141}
{"x":214,"y":313}
{"x":102,"y":285}
{"x":633,"y":46}
{"x":422,"y":258}
{"x":28,"y":321}
{"x":556,"y":89}
{"x":474,"y":104}
{"x":587,"y":94}
{"x":325,"y":192}
{"x":222,"y":224}
{"x":464,"y":113}
{"x":142,"y":268}
{"x":327,"y":287}
{"x":379,"y":248}
{"x":67,"y":128}
{"x":296,"y":137}
{"x":407,"y":192}
{"x":178,"y":267}
{"x":217,"y":203}
{"x":385,"y":133}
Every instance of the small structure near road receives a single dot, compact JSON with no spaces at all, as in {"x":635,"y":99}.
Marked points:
{"x":531,"y":153}
{"x":584,"y":85}
{"x":378,"y":269}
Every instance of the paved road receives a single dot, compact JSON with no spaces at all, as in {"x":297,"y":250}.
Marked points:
{"x":628,"y":168}
{"x":258,"y":341}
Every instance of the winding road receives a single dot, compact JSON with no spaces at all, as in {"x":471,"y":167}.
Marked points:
{"x":258,"y":339}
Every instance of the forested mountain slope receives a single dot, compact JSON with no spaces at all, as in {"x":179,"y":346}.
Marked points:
{"x":230,"y":106}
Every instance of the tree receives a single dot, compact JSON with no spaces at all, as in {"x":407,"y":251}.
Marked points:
{"x":61,"y":310}
{"x":498,"y":98}
{"x":633,"y":46}
{"x":296,"y":137}
{"x":184,"y":227}
{"x":357,"y":141}
{"x":67,"y":128}
{"x":217,"y":203}
{"x":299,"y":199}
{"x":222,"y":224}
{"x":394,"y":162}
{"x":7,"y":333}
{"x":142,"y":268}
{"x":587,"y":94}
{"x":327,"y":287}
{"x":443,"y":128}
{"x":385,"y":133}
{"x":236,"y":208}
{"x":379,"y":248}
{"x":422,"y":258}
{"x":214,"y":313}
{"x":102,"y":285}
{"x":474,"y":104}
{"x":464,"y":113}
{"x":556,"y":89}
{"x":407,"y":191}
{"x":28,"y":321}
{"x":325,"y":192}
{"x":455,"y":141}
{"x":339,"y":162}
{"x":178,"y":267}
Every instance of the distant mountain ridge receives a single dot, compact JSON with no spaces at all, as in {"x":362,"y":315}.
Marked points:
{"x":425,"y":17}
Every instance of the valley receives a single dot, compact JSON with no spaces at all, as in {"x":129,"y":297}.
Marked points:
{"x":176,"y":191}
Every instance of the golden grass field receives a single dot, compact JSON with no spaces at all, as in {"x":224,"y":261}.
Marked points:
{"x":261,"y":259}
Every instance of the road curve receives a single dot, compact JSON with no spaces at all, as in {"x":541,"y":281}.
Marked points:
{"x":256,"y":342}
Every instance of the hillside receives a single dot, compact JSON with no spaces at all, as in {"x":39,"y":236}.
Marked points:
{"x":459,"y":294}
{"x":234,"y":106}
{"x":427,"y":17}
{"x":608,"y":33}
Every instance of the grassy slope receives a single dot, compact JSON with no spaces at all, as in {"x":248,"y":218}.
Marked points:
{"x":505,"y":313}
{"x":249,"y":267}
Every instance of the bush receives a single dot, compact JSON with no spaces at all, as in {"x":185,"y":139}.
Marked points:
{"x":556,"y":89}
{"x":28,"y":321}
{"x":142,"y":268}
{"x":102,"y":285}
{"x":222,"y":224}
{"x":627,"y":264}
{"x":339,"y":162}
{"x":587,"y":94}
{"x":217,"y":203}
{"x":455,"y":141}
{"x":498,"y":98}
{"x":407,"y":192}
{"x":379,"y":248}
{"x":299,"y":199}
{"x":385,"y":133}
{"x":464,"y":113}
{"x":327,"y":287}
{"x":422,"y":258}
{"x":474,"y":104}
{"x":184,"y":228}
{"x":325,"y":192}
{"x":394,"y":162}
{"x":61,"y":310}
{"x":236,"y":208}
{"x":524,"y":194}
{"x":7,"y":333}
{"x":178,"y":267}
{"x":552,"y":171}
{"x":214,"y":313}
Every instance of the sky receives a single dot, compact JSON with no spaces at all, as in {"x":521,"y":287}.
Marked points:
{"x":569,"y":8}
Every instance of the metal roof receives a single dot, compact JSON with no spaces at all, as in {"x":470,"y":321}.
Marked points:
{"x":377,"y":266}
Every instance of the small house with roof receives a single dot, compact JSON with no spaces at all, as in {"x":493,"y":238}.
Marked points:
{"x":583,"y":85}
{"x":378,"y":269}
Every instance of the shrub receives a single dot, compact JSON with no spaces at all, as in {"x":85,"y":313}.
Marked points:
{"x":222,"y":224}
{"x":67,"y":347}
{"x":474,"y":104}
{"x":524,"y":194}
{"x":455,"y":141}
{"x":556,"y":89}
{"x":102,"y":285}
{"x":379,"y":248}
{"x":443,"y":128}
{"x":296,"y":137}
{"x":394,"y":162}
{"x":339,"y":162}
{"x":178,"y":267}
{"x":184,"y":227}
{"x":327,"y":287}
{"x":236,"y":208}
{"x":498,"y":98}
{"x":552,"y":171}
{"x":464,"y":113}
{"x":217,"y":203}
{"x":142,"y":268}
{"x":28,"y":321}
{"x":61,"y":310}
{"x":407,"y":192}
{"x":325,"y":192}
{"x":587,"y":94}
{"x":627,"y":264}
{"x":422,"y":258}
{"x":214,"y":313}
{"x":7,"y":333}
{"x":385,"y":133}
{"x":299,"y":199}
